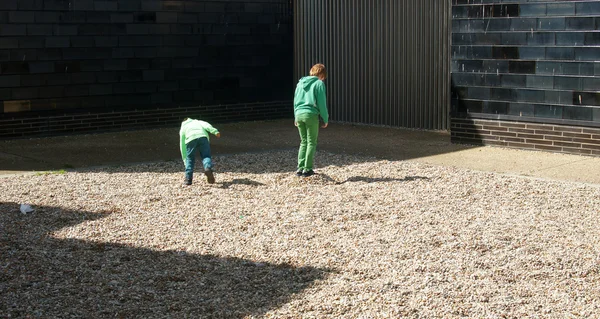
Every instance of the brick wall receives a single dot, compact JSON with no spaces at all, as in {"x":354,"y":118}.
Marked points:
{"x":67,"y":60}
{"x":526,"y":61}
{"x":534,"y":136}
{"x":530,"y":59}
{"x":94,"y":122}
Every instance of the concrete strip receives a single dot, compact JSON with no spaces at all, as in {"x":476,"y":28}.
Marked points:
{"x":546,"y":165}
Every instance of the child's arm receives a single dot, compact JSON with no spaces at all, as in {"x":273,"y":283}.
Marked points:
{"x":209,"y":128}
{"x":322,"y":101}
{"x":182,"y":146}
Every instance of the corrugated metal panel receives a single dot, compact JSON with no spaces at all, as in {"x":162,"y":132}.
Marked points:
{"x":388,"y":60}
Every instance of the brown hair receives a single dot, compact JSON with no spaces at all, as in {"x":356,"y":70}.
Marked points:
{"x":318,"y":70}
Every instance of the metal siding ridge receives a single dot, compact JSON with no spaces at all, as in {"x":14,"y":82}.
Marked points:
{"x":388,"y":61}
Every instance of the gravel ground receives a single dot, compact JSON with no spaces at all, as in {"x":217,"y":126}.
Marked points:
{"x":364,"y":238}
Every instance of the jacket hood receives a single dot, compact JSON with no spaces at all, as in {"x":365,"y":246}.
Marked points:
{"x":308,"y":81}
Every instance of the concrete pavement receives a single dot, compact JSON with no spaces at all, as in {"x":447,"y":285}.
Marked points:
{"x":91,"y":150}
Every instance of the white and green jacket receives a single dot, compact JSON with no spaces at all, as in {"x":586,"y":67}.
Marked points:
{"x":193,"y":129}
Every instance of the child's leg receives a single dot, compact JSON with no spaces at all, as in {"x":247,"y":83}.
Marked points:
{"x":312,"y":133}
{"x":204,"y":148}
{"x":303,"y":143}
{"x":190,"y":159}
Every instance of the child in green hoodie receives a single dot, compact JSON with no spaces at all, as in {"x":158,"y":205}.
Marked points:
{"x":194,"y":135}
{"x":310,"y":102}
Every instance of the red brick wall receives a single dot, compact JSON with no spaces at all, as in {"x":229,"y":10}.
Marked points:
{"x":533,"y":136}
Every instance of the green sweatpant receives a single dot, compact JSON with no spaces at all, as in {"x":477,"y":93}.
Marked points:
{"x":308,"y":127}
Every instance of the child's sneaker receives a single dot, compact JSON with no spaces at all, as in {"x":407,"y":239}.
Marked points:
{"x":187,"y":182}
{"x":308,"y":173}
{"x":210,"y":177}
{"x":299,"y":173}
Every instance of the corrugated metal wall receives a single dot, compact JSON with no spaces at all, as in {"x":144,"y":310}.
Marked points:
{"x":388,"y":60}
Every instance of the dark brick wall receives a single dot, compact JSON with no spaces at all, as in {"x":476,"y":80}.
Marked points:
{"x":523,"y":135}
{"x":526,"y":74}
{"x":94,"y":122}
{"x":526,"y":60}
{"x":64,"y":58}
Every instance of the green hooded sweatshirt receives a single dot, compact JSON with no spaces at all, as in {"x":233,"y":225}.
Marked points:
{"x":192,"y":129}
{"x":310,"y":97}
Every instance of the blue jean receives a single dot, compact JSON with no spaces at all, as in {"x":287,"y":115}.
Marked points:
{"x":203,"y":146}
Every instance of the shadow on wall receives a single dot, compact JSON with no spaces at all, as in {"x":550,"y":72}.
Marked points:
{"x":47,"y":277}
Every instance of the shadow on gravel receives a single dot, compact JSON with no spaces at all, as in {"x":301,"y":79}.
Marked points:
{"x":241,"y":181}
{"x":331,"y":180}
{"x":41,"y":276}
{"x":383,"y":179}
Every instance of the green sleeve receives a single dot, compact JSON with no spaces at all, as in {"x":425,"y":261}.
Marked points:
{"x":211,"y":129}
{"x":322,"y":102}
{"x":182,"y":146}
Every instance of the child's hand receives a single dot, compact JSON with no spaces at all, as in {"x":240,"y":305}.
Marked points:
{"x":219,"y":135}
{"x":295,"y":123}
{"x":325,"y":125}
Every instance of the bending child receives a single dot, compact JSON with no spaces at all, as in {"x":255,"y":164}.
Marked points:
{"x":194,"y":135}
{"x":310,"y":101}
